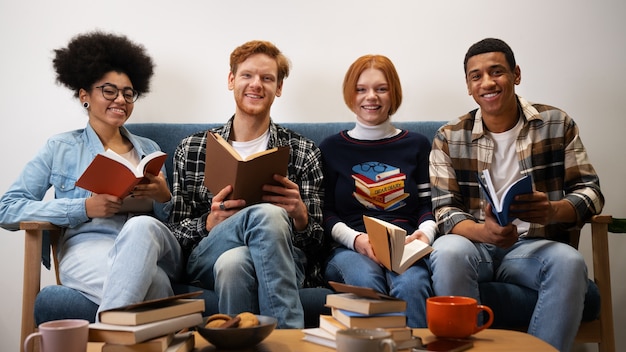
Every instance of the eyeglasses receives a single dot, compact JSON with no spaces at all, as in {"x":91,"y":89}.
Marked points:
{"x":377,"y":167}
{"x":111,"y":92}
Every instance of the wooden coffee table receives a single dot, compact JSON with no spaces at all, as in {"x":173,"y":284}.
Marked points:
{"x":486,"y":340}
{"x":290,"y":340}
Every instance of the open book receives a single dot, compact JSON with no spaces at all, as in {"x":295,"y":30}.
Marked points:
{"x":224,"y":166}
{"x":500,"y":205}
{"x":111,"y":173}
{"x":387,"y":241}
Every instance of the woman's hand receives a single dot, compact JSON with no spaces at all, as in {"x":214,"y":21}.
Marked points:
{"x":417,"y":235}
{"x":102,"y":205}
{"x":155,"y":189}
{"x":362,"y":245}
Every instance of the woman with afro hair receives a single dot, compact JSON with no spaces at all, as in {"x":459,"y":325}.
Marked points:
{"x":114,"y":251}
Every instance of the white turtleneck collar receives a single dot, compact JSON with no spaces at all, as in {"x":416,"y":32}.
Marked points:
{"x":371,"y":133}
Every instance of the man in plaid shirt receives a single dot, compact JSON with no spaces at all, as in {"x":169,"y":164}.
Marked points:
{"x":511,"y":137}
{"x":254,"y":256}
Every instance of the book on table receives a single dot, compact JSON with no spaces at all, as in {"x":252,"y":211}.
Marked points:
{"x":132,"y":334}
{"x":332,"y":325}
{"x":500,"y":205}
{"x":369,"y":321}
{"x":157,"y":344}
{"x":183,"y":342}
{"x":224,"y":166}
{"x":111,"y":173}
{"x":403,"y":337}
{"x":388,"y":243}
{"x":153,"y":310}
{"x":319,"y":336}
{"x":363,"y":300}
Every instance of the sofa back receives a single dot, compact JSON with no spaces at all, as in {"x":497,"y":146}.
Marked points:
{"x":168,"y":135}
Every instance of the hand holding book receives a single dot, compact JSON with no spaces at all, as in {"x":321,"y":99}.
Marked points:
{"x":500,"y":205}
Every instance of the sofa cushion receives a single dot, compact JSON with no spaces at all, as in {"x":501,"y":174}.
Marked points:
{"x":513,"y":305}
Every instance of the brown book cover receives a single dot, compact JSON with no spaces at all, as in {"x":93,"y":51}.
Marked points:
{"x":129,"y":335}
{"x":148,"y":314}
{"x":223,"y":167}
{"x":355,"y":303}
{"x":387,"y":242}
{"x":111,"y":173}
{"x":153,"y":310}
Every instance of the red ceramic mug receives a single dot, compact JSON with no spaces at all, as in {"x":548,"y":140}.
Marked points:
{"x":455,"y":316}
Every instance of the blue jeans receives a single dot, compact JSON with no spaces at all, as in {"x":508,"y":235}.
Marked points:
{"x":556,"y":270}
{"x":119,"y":260}
{"x":248,"y":260}
{"x":412,"y":286}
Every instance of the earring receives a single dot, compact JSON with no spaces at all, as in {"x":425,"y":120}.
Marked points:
{"x":86,"y":105}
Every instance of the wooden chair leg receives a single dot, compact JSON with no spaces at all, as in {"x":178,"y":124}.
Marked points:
{"x":602,"y":276}
{"x":33,"y":241}
{"x":32,"y":281}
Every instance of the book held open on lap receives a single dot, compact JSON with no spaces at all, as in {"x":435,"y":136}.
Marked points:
{"x":501,"y":205}
{"x":224,"y":166}
{"x":387,"y":242}
{"x":111,"y":173}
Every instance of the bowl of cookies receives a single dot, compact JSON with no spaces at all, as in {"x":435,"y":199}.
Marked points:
{"x":242,"y":331}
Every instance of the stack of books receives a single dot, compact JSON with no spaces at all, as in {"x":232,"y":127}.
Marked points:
{"x":359,"y":307}
{"x":379,"y":185}
{"x":150,"y":326}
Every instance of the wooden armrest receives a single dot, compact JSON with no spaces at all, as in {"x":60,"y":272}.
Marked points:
{"x":37,"y":226}
{"x":601,"y":219}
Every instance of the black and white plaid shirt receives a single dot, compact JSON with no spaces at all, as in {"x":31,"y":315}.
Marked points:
{"x":192,"y":200}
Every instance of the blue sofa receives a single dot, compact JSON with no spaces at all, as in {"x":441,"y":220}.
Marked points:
{"x":512,"y":305}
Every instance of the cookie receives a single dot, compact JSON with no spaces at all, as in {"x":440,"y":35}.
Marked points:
{"x":247,"y":320}
{"x":217,"y":320}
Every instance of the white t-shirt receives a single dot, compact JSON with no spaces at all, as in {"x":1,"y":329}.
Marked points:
{"x":505,"y":167}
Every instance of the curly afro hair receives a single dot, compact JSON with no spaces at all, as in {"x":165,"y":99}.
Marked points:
{"x":90,"y":56}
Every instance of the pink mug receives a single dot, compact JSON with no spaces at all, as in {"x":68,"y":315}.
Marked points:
{"x":66,"y":335}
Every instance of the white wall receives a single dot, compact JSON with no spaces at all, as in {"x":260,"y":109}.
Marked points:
{"x":571,"y":53}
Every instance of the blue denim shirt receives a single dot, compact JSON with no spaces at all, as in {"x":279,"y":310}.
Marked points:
{"x":59,"y":163}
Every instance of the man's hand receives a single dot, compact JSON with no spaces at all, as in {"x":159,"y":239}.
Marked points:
{"x":495,"y":234}
{"x":488,"y":232}
{"x":534,"y":208}
{"x":287,"y":196}
{"x":222,"y":209}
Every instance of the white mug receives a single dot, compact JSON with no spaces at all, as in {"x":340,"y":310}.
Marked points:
{"x":364,"y":340}
{"x":66,"y":335}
